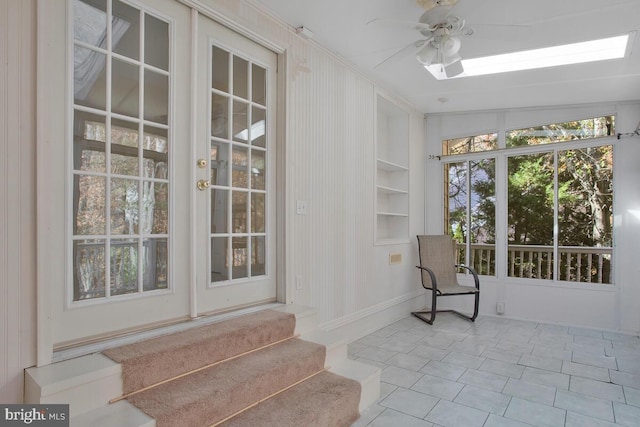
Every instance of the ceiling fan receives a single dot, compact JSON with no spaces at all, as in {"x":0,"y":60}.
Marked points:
{"x":441,"y":31}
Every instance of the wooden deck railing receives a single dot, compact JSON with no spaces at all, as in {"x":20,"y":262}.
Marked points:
{"x":577,"y":263}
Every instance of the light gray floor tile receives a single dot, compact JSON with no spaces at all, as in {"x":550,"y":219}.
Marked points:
{"x":399,"y":345}
{"x":625,"y":378}
{"x":632,"y":395}
{"x":410,"y":402}
{"x":598,"y":389}
{"x":468,"y":348}
{"x":550,"y":342}
{"x":502,"y":368}
{"x":626,"y":415}
{"x":380,"y":365}
{"x":579,"y":420}
{"x":541,"y":362}
{"x":552,"y":351}
{"x":515,"y":347}
{"x":593,"y":360}
{"x":387,"y":331}
{"x":595,"y":342}
{"x":462,"y":359}
{"x":585,"y":371}
{"x":515,"y":337}
{"x":485,"y":380}
{"x":534,"y":413}
{"x":386,"y":389}
{"x":375,"y":353}
{"x":629,"y":363}
{"x":482,"y":399}
{"x":436,"y":341}
{"x":450,"y":414}
{"x":586,"y":332}
{"x":400,"y":377}
{"x":354,"y":348}
{"x":530,"y":391}
{"x":552,"y":379}
{"x":443,"y":370}
{"x":427,"y":352}
{"x":407,"y":361}
{"x":497,"y":421}
{"x":438,"y":387}
{"x":596,"y":350}
{"x":391,"y":418}
{"x":372,"y":340}
{"x":586,"y":405}
{"x":501,"y":355}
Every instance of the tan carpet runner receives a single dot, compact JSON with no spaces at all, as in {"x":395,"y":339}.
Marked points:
{"x":211,"y":395}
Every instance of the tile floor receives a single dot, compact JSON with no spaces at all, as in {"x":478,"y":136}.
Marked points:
{"x":498,"y":372}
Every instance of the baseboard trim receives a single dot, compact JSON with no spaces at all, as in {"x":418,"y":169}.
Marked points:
{"x":363,"y":322}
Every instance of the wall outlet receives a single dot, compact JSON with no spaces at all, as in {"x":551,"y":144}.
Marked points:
{"x":302,"y":207}
{"x":395,"y":258}
{"x":500,"y":308}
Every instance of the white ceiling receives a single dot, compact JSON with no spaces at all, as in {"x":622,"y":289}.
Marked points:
{"x":341,"y":26}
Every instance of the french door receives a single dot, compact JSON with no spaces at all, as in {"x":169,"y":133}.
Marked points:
{"x":168,"y":170}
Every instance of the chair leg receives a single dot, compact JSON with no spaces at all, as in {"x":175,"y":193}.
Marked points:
{"x":421,"y":314}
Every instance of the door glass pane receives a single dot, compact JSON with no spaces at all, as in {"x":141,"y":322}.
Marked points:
{"x":124,"y":266}
{"x":240,"y":77}
{"x":155,"y":149}
{"x":89,"y":78}
{"x":258,"y":170}
{"x":219,"y":209}
{"x":258,"y":84}
{"x":124,"y":206}
{"x":219,"y":69}
{"x":156,"y":97}
{"x":89,"y":269}
{"x":156,"y":42}
{"x":240,"y":163}
{"x":219,"y":116}
{"x":240,"y":121}
{"x":155,"y":208}
{"x":90,"y":22}
{"x":219,"y":163}
{"x":89,"y":138}
{"x":530,"y":216}
{"x":257,"y":212}
{"x":89,"y":205}
{"x":239,"y":212}
{"x":124,"y":147}
{"x":125,"y":88}
{"x":258,"y":126}
{"x":240,"y":258}
{"x":154,"y":264}
{"x":219,"y":259}
{"x":125,"y":30}
{"x":258,"y":258}
{"x":585,"y":214}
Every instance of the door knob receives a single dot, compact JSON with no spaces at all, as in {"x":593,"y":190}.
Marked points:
{"x":202,"y":184}
{"x":202,"y":163}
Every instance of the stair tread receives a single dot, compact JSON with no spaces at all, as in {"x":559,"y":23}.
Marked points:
{"x":213,"y":394}
{"x":326,"y":400}
{"x":151,"y":361}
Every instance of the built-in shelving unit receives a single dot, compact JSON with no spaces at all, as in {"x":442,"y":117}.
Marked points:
{"x":392,"y":172}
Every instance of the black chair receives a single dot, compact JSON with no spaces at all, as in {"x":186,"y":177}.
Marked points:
{"x":439,"y":275}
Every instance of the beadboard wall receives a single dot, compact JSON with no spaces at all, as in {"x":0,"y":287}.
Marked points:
{"x":17,"y":195}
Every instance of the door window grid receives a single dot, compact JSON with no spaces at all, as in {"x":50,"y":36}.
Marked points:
{"x":238,"y":194}
{"x":120,"y":174}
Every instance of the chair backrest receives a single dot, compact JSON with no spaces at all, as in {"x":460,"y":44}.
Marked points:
{"x":438,"y":253}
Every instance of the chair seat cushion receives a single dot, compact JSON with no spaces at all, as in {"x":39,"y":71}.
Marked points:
{"x":456,"y":289}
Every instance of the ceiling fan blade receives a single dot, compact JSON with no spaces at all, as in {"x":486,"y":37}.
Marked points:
{"x":495,"y":31}
{"x":411,"y":47}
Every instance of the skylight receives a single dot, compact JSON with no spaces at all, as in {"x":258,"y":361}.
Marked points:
{"x":574,"y":53}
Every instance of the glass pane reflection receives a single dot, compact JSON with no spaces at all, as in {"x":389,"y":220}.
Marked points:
{"x":219,"y":260}
{"x":88,"y":269}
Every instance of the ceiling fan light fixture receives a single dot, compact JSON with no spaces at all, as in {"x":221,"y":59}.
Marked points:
{"x":427,"y":54}
{"x":449,"y":45}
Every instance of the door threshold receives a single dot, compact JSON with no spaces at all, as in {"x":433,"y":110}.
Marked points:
{"x":96,"y":347}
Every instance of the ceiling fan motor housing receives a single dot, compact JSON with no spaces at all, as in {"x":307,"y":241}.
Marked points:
{"x":430,"y":4}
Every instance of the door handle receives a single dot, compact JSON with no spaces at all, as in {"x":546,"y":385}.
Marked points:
{"x":202,"y":184}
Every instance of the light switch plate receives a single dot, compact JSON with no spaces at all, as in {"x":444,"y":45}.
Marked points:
{"x":302,"y":207}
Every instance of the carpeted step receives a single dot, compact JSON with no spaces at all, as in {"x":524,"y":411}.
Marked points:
{"x":325,"y":400}
{"x":211,"y":395}
{"x":152,"y":361}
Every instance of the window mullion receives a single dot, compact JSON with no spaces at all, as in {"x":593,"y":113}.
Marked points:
{"x":556,"y":253}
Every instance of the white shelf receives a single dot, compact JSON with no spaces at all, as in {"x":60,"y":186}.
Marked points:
{"x":390,"y":166}
{"x":391,"y":191}
{"x":398,"y":214}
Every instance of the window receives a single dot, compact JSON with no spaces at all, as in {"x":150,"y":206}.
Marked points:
{"x":559,"y":220}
